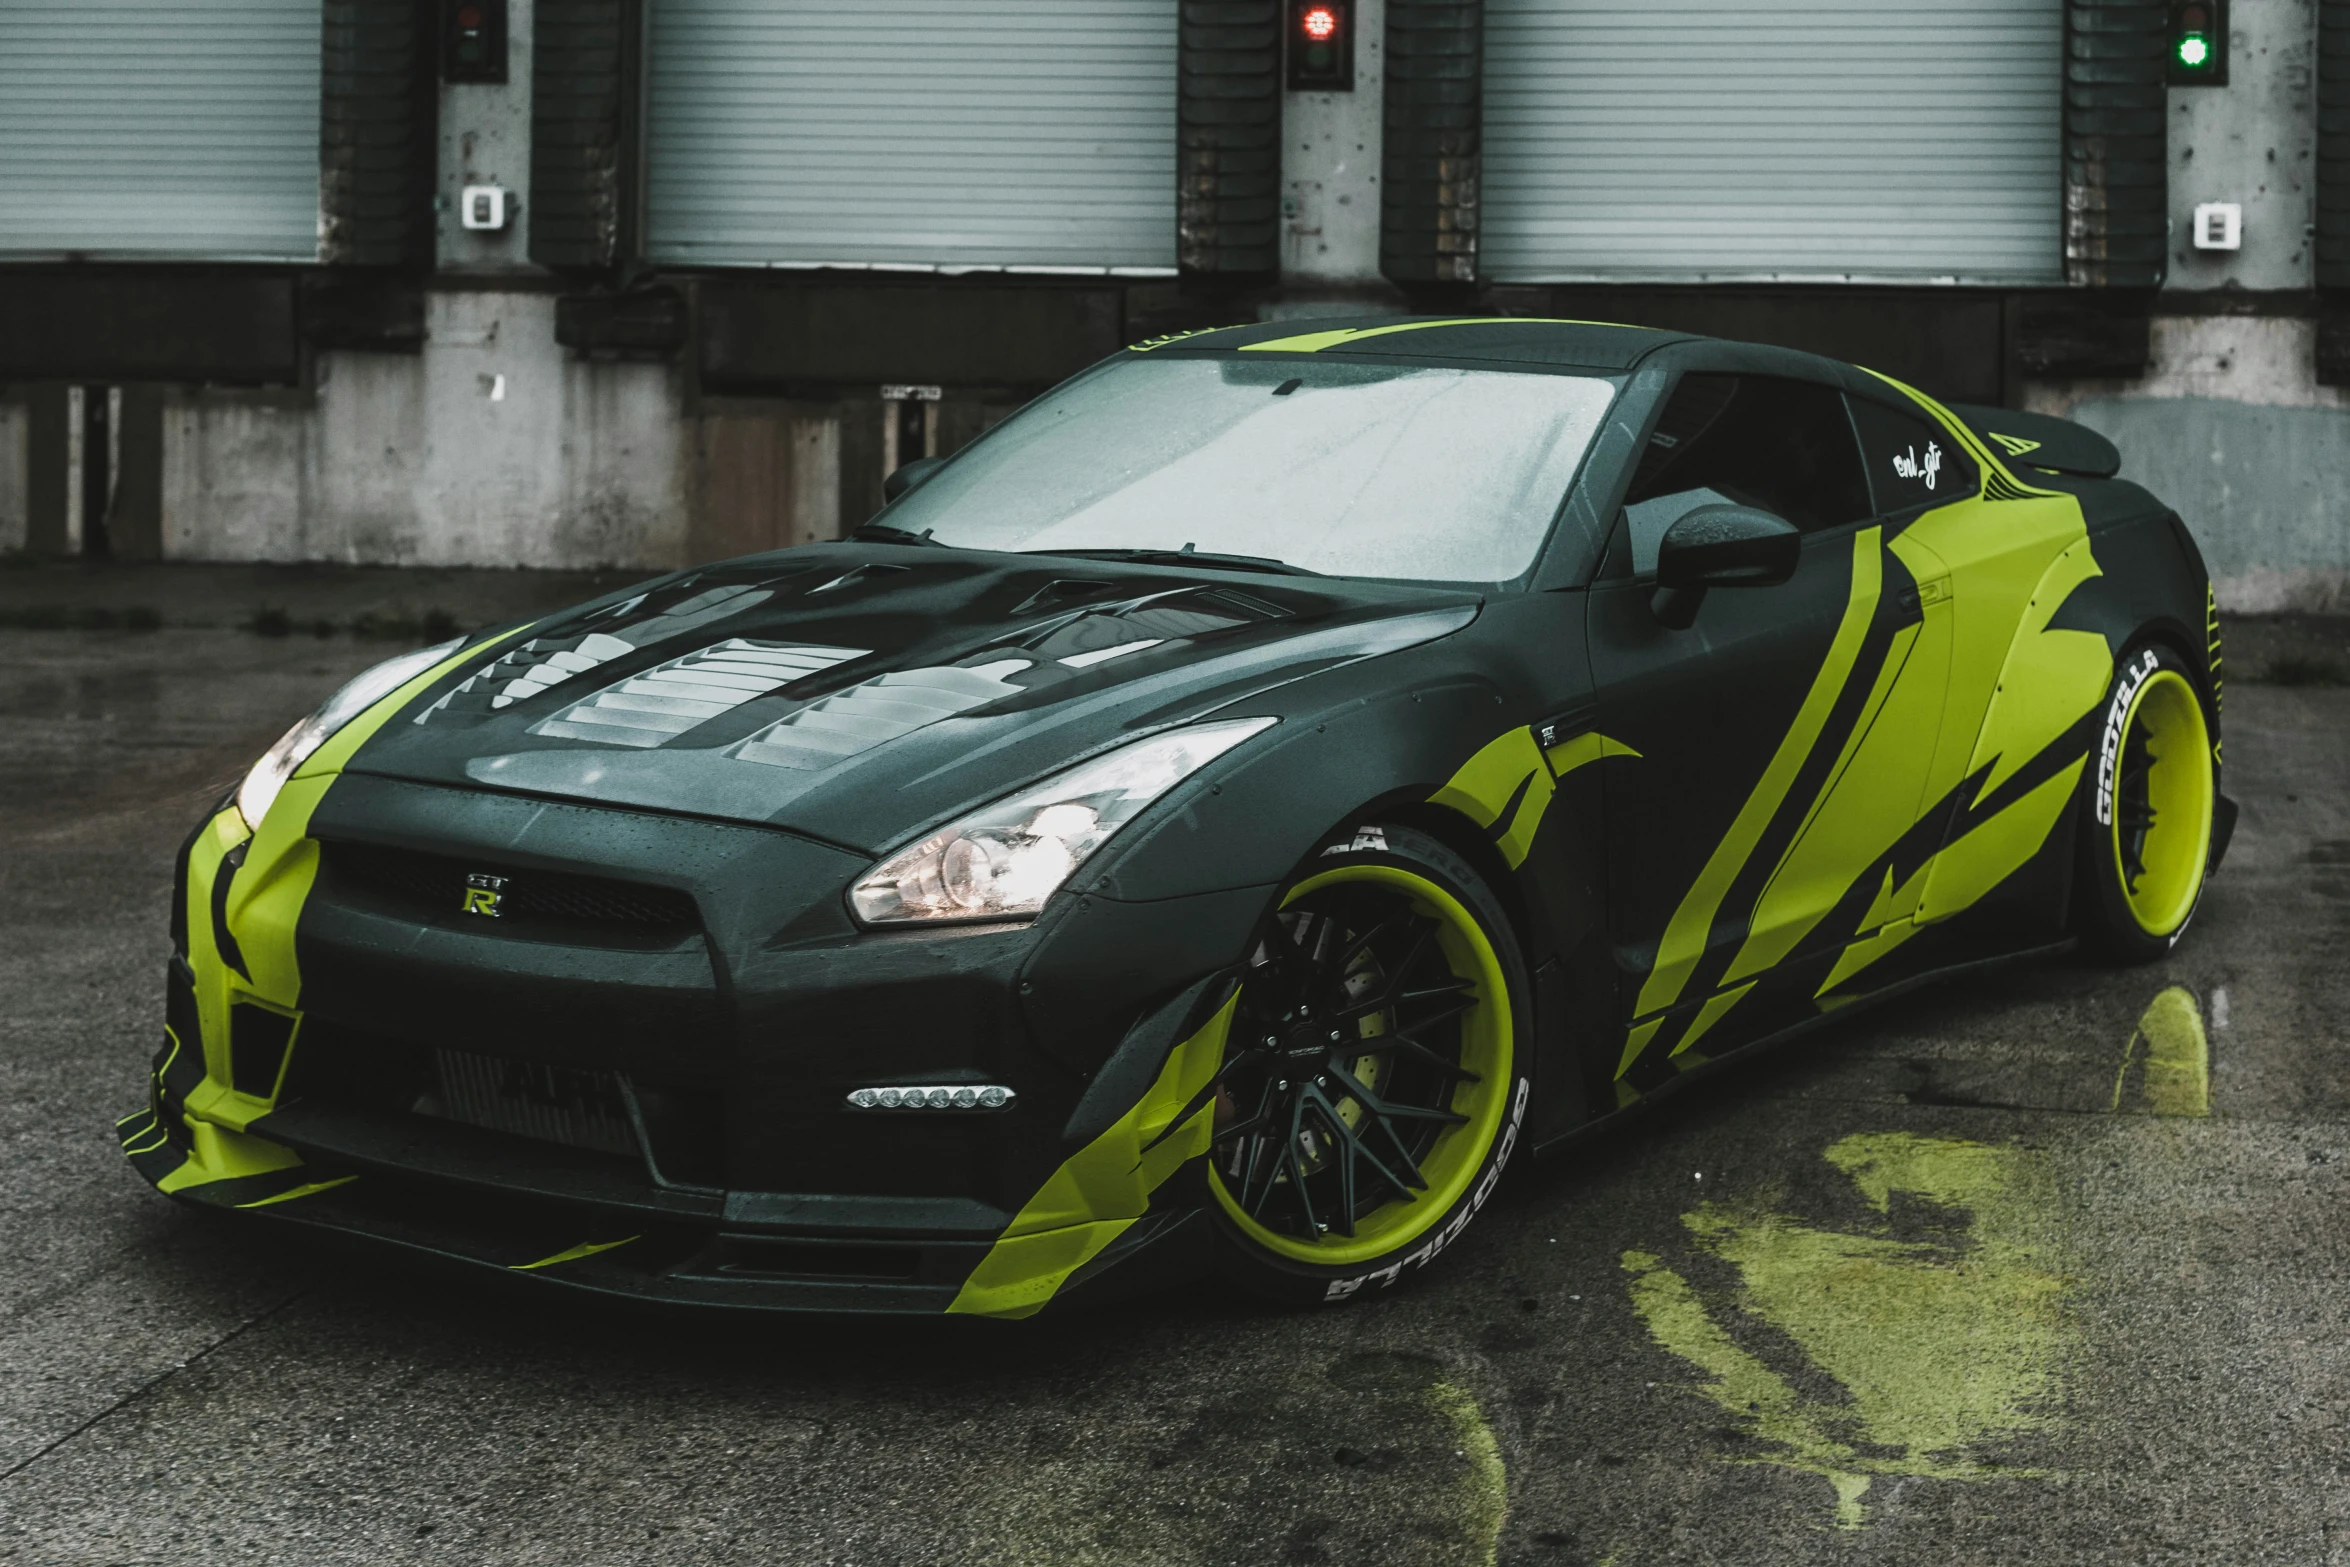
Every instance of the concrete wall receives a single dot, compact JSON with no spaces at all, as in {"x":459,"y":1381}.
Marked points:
{"x":2229,"y":424}
{"x":15,"y":475}
{"x":491,"y":447}
{"x":2232,"y":429}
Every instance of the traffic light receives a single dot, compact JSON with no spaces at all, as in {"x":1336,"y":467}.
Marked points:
{"x":2198,"y":43}
{"x":1321,"y":46}
{"x":473,"y":41}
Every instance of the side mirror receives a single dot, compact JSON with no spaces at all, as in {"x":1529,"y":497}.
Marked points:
{"x":910,"y":475}
{"x":1720,"y":547}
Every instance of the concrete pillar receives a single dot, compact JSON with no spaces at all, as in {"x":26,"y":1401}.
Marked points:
{"x":485,"y":140}
{"x":15,"y":453}
{"x":1330,"y":156}
{"x":49,"y":526}
{"x":134,"y":523}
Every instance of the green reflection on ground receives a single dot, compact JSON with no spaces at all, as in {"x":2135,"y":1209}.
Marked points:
{"x":1929,"y":1338}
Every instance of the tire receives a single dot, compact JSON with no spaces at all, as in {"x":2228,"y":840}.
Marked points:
{"x":2147,"y":809}
{"x":1341,"y":1164}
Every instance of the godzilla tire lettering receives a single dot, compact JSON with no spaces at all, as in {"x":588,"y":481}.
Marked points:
{"x":1429,"y":1250}
{"x":2116,"y":714}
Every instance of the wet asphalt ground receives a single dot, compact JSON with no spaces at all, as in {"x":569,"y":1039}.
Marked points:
{"x":1967,"y":1279}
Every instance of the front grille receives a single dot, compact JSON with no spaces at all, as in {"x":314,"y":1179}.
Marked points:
{"x":553,"y":1104}
{"x":438,"y":884}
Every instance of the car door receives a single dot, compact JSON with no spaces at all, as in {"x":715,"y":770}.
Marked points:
{"x":1784,"y":738}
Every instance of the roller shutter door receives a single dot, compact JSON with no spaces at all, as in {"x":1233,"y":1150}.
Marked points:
{"x":1817,"y":140}
{"x":159,"y":129}
{"x":1034,"y":134}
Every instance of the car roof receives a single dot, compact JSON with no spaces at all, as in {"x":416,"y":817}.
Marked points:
{"x":1517,"y":341}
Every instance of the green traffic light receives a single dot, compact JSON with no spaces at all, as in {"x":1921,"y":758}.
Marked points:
{"x":2194,"y":51}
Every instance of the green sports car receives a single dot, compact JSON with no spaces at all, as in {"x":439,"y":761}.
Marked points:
{"x":1211,"y":824}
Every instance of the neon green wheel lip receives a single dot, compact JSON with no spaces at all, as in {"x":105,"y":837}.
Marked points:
{"x":1488,"y":1048}
{"x":2179,"y":781}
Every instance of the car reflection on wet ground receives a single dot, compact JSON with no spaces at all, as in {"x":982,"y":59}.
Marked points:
{"x":2040,"y":1265}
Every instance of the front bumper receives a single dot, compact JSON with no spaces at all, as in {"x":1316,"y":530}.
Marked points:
{"x":723,"y":1166}
{"x":890,"y":1259}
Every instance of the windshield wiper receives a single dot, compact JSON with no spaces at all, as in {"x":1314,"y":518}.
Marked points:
{"x":1187,"y":556}
{"x":883,"y":533}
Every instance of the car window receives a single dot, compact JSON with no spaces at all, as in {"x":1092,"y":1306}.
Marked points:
{"x":1767,"y":441}
{"x":1911,"y":461}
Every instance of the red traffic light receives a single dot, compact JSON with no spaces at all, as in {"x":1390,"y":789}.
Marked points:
{"x":1321,"y":46}
{"x":473,"y":40}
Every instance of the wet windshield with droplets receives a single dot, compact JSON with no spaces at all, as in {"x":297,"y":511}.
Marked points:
{"x":1355,"y":469}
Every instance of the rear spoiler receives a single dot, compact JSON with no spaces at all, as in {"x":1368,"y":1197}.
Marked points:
{"x":2041,"y":441}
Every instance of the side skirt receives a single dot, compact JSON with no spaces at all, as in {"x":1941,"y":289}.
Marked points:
{"x":1601,"y":1125}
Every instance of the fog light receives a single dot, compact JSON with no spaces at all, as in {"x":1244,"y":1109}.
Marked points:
{"x":961,"y":1096}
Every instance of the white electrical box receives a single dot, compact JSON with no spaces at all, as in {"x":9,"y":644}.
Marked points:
{"x":2219,"y":225}
{"x":483,"y":207}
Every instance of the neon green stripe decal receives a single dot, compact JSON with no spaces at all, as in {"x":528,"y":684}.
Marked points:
{"x":1717,"y":1007}
{"x":568,"y":1254}
{"x":1507,"y":775}
{"x":1685,"y":935}
{"x":312,"y":1189}
{"x":1590,"y":746}
{"x":1315,"y":342}
{"x":1775,"y":928}
{"x":1634,"y":1042}
{"x":1100,"y":1189}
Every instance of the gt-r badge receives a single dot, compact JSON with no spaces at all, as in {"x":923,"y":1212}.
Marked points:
{"x":483,"y":894}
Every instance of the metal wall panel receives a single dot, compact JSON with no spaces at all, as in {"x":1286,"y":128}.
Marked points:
{"x":160,"y":129}
{"x":1815,"y":140}
{"x":936,"y":133}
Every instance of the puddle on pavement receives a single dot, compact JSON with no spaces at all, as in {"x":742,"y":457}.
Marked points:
{"x":1923,"y":1343}
{"x":2166,"y":1066}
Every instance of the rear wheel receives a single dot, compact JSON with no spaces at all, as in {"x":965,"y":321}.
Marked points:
{"x":2146,"y":833}
{"x":1373,"y":1084}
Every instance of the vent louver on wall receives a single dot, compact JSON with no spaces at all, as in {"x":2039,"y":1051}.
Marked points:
{"x":668,"y":699}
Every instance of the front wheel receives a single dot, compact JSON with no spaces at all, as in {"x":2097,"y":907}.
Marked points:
{"x":1375,"y":1076}
{"x":2147,"y":817}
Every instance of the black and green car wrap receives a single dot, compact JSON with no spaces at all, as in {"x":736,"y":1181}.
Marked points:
{"x":552,"y":963}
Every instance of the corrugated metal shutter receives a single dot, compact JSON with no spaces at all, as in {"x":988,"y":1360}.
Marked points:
{"x":1822,"y":140}
{"x":165,"y":129}
{"x":1031,"y":134}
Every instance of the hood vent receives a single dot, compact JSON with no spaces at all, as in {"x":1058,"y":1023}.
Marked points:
{"x":526,"y":670}
{"x":835,"y":728}
{"x":668,"y":699}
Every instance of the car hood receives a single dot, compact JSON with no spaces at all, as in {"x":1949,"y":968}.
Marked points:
{"x":859,"y":693}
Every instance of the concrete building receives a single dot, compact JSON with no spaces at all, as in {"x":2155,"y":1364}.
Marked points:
{"x":643,"y":282}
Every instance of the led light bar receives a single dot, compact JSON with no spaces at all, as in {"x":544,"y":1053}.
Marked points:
{"x":961,"y":1096}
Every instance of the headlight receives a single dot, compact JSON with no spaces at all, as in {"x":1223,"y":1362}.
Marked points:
{"x":1004,"y":861}
{"x":277,"y":764}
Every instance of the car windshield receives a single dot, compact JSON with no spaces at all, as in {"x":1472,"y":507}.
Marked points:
{"x":1347,"y":468}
